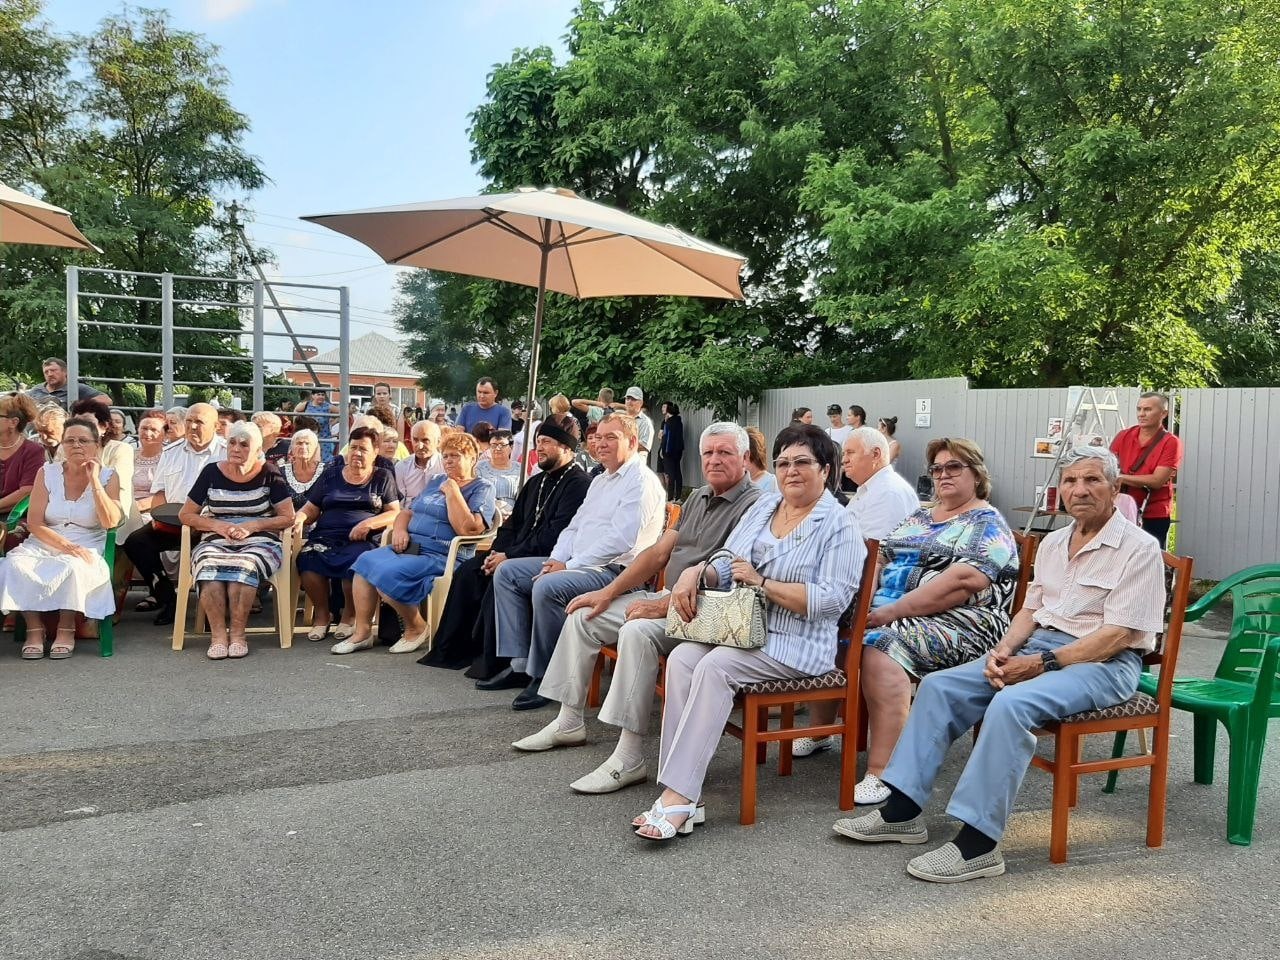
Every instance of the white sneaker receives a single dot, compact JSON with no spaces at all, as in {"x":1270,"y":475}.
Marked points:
{"x":808,"y":746}
{"x":870,"y":789}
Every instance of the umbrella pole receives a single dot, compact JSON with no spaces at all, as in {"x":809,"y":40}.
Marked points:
{"x":535,"y":351}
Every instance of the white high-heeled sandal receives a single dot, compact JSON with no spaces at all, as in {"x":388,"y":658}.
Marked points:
{"x":657,"y":818}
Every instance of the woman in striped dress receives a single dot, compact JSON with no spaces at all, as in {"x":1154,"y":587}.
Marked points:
{"x":242,"y":504}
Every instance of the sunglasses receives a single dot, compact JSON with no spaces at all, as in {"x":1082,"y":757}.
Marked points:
{"x":952,"y":468}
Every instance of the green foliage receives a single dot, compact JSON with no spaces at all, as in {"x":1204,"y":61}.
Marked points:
{"x":1023,"y":192}
{"x":140,"y":149}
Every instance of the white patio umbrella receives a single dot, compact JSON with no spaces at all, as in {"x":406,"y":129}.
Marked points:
{"x":551,"y":239}
{"x":25,"y":219}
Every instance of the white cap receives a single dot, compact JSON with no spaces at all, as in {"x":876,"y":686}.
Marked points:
{"x":635,"y":393}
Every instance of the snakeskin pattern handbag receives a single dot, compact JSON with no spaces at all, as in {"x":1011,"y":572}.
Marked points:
{"x":732,"y":618}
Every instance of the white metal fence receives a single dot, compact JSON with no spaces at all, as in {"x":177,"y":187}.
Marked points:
{"x":1228,"y":500}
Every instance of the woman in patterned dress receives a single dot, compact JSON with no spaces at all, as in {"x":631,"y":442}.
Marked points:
{"x":302,"y":469}
{"x":242,"y":504}
{"x":947,"y":578}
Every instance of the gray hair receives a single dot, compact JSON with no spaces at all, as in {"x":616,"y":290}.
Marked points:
{"x":246,"y":430}
{"x":267,"y":421}
{"x":428,"y":427}
{"x":1078,"y":455}
{"x":179,"y":412}
{"x":389,"y":433}
{"x":1156,"y":395}
{"x":726,"y":428}
{"x":871,"y":439}
{"x":306,"y":435}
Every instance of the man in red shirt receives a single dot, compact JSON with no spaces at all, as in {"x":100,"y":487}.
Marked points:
{"x":1149,"y":458}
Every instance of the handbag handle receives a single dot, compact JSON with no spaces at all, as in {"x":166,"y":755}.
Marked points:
{"x":715,"y":555}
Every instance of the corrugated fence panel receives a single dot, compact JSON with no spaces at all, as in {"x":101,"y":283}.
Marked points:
{"x":1228,"y":487}
{"x":1229,"y":484}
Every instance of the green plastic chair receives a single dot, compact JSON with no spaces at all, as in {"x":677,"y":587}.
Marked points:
{"x":106,"y":626}
{"x":1243,"y":694}
{"x":15,"y":517}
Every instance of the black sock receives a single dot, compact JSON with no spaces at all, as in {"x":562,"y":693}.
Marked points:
{"x":899,"y":808}
{"x":973,"y":842}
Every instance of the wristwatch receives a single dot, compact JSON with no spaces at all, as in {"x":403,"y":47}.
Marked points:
{"x":1050,"y":660}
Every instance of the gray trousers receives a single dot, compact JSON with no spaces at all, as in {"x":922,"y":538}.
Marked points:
{"x":530,"y":613}
{"x":640,"y":643}
{"x":701,"y":683}
{"x":950,"y":702}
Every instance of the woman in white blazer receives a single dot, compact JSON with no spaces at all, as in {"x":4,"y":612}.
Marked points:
{"x":806,"y":552}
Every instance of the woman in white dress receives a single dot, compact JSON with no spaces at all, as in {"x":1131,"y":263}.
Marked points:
{"x":73,"y":505}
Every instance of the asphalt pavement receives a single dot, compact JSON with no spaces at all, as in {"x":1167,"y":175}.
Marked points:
{"x":296,"y":804}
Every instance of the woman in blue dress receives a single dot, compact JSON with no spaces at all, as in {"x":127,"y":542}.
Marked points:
{"x":350,"y":506}
{"x":456,"y":504}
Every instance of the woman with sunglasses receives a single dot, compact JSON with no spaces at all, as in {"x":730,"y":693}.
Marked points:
{"x":947,"y":578}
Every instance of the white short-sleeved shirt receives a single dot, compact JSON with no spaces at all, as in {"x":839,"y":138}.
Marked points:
{"x":883,"y":502}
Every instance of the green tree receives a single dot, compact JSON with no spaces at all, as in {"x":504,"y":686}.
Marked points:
{"x":147,"y":148}
{"x":1074,"y":188}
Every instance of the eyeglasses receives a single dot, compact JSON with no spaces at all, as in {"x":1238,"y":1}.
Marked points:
{"x":499,"y":443}
{"x":952,"y":468}
{"x":799,"y":463}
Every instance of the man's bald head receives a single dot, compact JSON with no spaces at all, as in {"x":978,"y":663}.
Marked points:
{"x":425,"y":436}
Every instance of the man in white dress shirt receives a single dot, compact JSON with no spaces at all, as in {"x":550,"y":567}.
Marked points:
{"x":412,"y":473}
{"x":883,"y":499}
{"x":1091,"y":612}
{"x":179,"y":465}
{"x":623,"y":514}
{"x":882,"y":502}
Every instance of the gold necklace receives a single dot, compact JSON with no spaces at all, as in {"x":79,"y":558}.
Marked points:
{"x":16,"y":443}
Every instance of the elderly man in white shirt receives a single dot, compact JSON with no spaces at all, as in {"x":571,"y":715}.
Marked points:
{"x":883,"y":499}
{"x":412,"y":473}
{"x":623,"y":514}
{"x":1091,"y":612}
{"x":179,"y":465}
{"x":882,"y":502}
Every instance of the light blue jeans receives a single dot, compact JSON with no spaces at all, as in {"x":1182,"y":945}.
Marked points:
{"x":950,"y":702}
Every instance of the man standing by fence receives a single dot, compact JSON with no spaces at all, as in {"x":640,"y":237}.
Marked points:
{"x":1149,"y":458}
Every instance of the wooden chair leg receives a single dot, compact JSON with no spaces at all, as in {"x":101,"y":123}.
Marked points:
{"x":1064,"y":750}
{"x":788,"y":722}
{"x":1159,"y":785}
{"x":747,"y":801}
{"x":762,"y":723}
{"x":1075,"y":760}
{"x":283,"y":589}
{"x":180,"y":613}
{"x":593,"y":689}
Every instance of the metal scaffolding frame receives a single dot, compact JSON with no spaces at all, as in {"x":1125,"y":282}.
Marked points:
{"x":260,"y":291}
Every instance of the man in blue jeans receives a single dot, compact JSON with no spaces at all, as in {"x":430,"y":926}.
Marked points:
{"x":1091,"y":612}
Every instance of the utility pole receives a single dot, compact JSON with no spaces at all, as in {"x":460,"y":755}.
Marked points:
{"x":238,"y":233}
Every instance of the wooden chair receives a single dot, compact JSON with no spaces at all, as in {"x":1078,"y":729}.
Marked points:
{"x":1028,"y":544}
{"x":609,"y":654}
{"x":281,"y":583}
{"x":1139,"y":712}
{"x":840,"y":684}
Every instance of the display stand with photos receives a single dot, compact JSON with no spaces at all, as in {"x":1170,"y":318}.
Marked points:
{"x":1093,"y":419}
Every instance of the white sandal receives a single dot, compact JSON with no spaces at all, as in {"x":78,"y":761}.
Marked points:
{"x":657,"y":817}
{"x":699,"y":815}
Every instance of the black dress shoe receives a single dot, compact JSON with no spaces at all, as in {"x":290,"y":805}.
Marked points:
{"x":529,"y":698}
{"x":164,"y":617}
{"x":508,"y":679}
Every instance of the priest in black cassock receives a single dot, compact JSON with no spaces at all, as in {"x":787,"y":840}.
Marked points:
{"x":546,"y":504}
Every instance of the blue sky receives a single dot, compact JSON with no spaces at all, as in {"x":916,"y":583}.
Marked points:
{"x":353,"y":103}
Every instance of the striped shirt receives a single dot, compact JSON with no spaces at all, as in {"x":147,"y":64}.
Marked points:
{"x":826,"y":553}
{"x":1114,"y":580}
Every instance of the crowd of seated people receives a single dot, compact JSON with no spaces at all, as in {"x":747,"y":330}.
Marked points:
{"x":578,"y":541}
